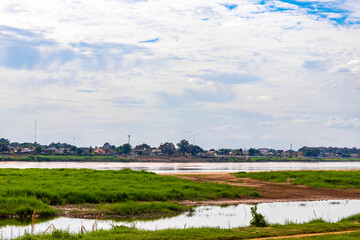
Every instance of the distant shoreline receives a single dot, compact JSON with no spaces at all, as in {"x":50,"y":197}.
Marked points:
{"x":131,"y":158}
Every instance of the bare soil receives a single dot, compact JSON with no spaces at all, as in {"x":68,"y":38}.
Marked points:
{"x":271,"y":192}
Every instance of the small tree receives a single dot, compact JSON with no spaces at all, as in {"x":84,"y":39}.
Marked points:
{"x":183,"y":146}
{"x":258,"y":219}
{"x":126,"y":148}
{"x":18,"y":150}
{"x":168,"y":148}
{"x":3,"y":147}
{"x":38,"y":149}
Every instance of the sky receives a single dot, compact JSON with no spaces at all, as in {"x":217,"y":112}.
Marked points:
{"x":221,"y":74}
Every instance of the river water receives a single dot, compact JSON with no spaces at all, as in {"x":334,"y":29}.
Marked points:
{"x":161,"y":167}
{"x":206,"y":216}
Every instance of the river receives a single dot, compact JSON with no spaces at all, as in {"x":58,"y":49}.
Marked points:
{"x":161,"y":167}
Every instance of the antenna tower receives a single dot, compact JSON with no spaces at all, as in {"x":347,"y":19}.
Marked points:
{"x":35,"y":132}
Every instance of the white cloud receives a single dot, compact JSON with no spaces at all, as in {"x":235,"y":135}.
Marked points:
{"x":127,"y":78}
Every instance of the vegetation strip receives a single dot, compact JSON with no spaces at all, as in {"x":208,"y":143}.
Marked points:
{"x":276,"y":230}
{"x":302,"y":236}
{"x":317,"y":179}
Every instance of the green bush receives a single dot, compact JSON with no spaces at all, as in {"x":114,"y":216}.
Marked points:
{"x":258,"y":220}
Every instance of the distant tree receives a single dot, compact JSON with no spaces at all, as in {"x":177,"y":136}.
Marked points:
{"x":107,"y":145}
{"x":252,"y":152}
{"x":143,"y":146}
{"x":18,"y":150}
{"x":194,"y":149}
{"x":119,"y":150}
{"x":38,"y":149}
{"x":14,"y":144}
{"x":125,"y":148}
{"x":183,"y":146}
{"x":167,"y":148}
{"x":27,"y":145}
{"x":79,"y":151}
{"x":223,"y":151}
{"x":3,"y":147}
{"x":6,"y":141}
{"x":310,"y":151}
{"x":91,"y":150}
{"x":272,"y":150}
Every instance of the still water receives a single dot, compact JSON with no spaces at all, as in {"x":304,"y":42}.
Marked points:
{"x":160,"y":167}
{"x":207,"y":216}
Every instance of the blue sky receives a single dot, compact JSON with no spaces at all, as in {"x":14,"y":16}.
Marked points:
{"x":252,"y":73}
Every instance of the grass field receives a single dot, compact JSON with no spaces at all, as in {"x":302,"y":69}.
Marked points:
{"x":317,"y":226}
{"x":318,"y":179}
{"x":23,"y":190}
{"x":143,"y":209}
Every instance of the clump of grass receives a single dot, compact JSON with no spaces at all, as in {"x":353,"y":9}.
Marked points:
{"x":353,"y":218}
{"x":136,"y":208}
{"x":24,"y":207}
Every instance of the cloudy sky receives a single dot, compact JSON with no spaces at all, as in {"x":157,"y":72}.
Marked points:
{"x":234,"y":74}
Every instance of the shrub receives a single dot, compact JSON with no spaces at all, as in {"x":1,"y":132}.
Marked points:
{"x":258,"y":219}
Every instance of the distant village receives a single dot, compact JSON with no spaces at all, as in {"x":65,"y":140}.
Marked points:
{"x":182,"y":148}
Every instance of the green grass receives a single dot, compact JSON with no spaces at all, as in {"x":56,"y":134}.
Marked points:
{"x":24,"y":207}
{"x":37,"y":188}
{"x":318,"y":179}
{"x":210,"y":233}
{"x":144,"y":209}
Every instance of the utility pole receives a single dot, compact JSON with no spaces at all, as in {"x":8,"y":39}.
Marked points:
{"x":35,"y":132}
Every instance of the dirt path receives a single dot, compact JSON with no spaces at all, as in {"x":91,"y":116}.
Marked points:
{"x":271,"y":192}
{"x":304,"y":235}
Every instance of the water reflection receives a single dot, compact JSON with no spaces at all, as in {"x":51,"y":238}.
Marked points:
{"x":161,"y":167}
{"x":208,"y":216}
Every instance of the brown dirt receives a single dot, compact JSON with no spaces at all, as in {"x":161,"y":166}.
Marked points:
{"x":271,"y":192}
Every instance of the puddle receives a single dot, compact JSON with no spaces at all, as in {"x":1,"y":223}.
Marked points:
{"x":205,"y":216}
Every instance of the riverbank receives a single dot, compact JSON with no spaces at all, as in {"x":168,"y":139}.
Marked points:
{"x":165,"y":159}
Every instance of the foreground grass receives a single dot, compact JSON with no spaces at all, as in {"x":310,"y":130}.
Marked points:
{"x":29,"y":189}
{"x":318,"y":179}
{"x":342,"y":236}
{"x":317,"y":226}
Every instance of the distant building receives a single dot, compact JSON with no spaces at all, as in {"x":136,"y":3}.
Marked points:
{"x":264,"y":151}
{"x":99,"y":151}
